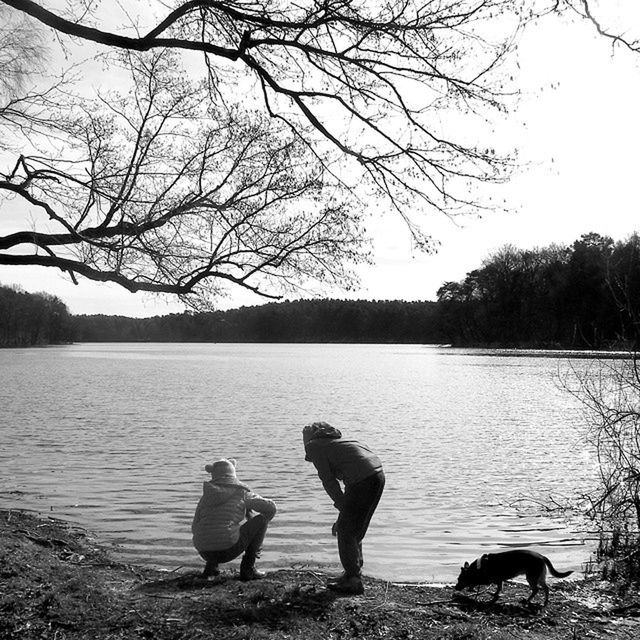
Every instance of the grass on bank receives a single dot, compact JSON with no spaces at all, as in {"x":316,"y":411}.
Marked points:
{"x":58,"y":582}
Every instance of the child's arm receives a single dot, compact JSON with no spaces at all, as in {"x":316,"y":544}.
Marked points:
{"x":257,"y":503}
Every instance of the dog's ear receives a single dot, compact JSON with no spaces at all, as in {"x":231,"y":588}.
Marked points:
{"x":466,"y":566}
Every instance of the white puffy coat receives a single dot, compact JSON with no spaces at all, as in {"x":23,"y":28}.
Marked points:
{"x":221,"y":511}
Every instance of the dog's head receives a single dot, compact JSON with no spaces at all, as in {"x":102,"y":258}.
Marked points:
{"x":470,"y":575}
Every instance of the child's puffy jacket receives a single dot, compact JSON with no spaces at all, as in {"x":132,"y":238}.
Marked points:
{"x":221,"y":511}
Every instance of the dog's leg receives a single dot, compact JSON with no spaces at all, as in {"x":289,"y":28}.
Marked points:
{"x":496,"y":595}
{"x":534,"y":590}
{"x":534,"y":584}
{"x":545,"y":587}
{"x":537,"y":582}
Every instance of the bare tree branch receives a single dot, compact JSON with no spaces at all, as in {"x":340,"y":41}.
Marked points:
{"x":598,"y":17}
{"x":254,"y":169}
{"x":384,"y":67}
{"x":169,"y":194}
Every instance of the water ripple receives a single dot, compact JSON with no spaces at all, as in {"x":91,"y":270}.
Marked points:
{"x":115,"y":437}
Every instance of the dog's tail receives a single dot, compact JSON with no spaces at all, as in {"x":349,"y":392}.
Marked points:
{"x":554,"y":573}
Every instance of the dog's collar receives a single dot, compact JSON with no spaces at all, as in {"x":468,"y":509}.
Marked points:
{"x":481,"y":561}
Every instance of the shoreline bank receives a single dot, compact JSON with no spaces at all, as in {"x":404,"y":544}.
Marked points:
{"x":58,"y":581}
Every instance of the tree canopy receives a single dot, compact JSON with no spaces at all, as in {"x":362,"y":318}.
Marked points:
{"x":28,"y":319}
{"x":240,"y":142}
{"x":182,"y":148}
{"x":583,"y":296}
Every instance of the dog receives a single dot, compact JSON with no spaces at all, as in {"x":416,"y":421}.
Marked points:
{"x":495,"y":568}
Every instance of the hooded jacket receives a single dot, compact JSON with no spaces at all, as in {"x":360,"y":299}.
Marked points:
{"x":220,"y":512}
{"x":340,"y":459}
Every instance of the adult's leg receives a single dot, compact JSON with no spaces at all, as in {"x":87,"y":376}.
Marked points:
{"x":349,"y":549}
{"x":360,"y":502}
{"x":375,"y":489}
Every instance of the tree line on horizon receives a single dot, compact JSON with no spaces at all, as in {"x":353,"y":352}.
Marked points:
{"x":326,"y":320}
{"x":29,"y":319}
{"x":586,"y":295}
{"x":582,"y":296}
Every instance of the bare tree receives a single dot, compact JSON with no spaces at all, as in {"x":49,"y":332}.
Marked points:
{"x":24,"y":106}
{"x":614,"y":22}
{"x":20,"y":52}
{"x":382,"y":103}
{"x":157,"y":190}
{"x":609,"y":391}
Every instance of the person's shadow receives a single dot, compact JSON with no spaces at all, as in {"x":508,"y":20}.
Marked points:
{"x":270,"y":601}
{"x":184,"y":582}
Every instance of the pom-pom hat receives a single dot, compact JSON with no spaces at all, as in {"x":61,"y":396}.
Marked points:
{"x":223,"y":471}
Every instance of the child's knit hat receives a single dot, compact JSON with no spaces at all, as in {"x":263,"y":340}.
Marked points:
{"x":223,"y":471}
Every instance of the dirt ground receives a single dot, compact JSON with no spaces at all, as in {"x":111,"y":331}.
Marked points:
{"x":57,"y":581}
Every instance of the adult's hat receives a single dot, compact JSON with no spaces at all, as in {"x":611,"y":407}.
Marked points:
{"x":317,"y":430}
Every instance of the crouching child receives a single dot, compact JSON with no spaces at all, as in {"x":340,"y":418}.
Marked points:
{"x":230,"y":520}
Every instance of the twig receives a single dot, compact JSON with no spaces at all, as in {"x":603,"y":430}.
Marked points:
{"x":44,"y":542}
{"x":384,"y":602}
{"x":133,"y":570}
{"x":145,"y":620}
{"x":633,"y":605}
{"x":590,"y":620}
{"x":315,"y":575}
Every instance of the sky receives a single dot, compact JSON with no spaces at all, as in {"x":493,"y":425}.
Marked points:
{"x":577,"y":131}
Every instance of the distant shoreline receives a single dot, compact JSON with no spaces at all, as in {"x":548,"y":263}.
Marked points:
{"x":27,"y":319}
{"x":496,"y":351}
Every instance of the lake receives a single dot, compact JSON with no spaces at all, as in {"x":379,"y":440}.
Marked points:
{"x":115,"y":438}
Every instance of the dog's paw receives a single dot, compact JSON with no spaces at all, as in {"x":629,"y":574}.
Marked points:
{"x":531,"y":606}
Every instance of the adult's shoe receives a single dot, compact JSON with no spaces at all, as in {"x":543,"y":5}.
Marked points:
{"x":351,"y":585}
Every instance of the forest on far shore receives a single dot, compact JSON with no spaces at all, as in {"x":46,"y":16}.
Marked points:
{"x":582,"y":296}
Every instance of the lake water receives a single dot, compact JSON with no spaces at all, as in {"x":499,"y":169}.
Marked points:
{"x":115,"y":437}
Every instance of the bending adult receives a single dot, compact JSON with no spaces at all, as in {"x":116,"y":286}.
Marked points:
{"x":225,"y":526}
{"x":338,"y":459}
